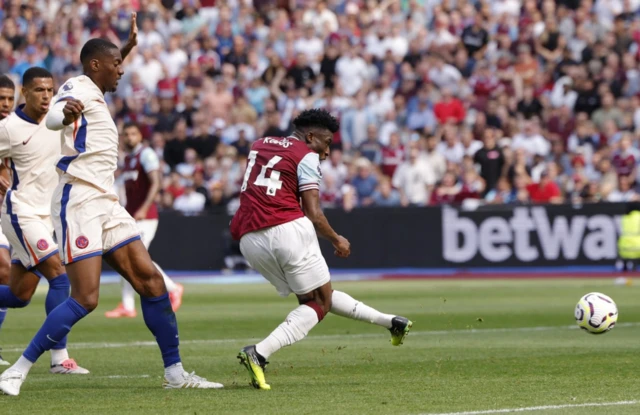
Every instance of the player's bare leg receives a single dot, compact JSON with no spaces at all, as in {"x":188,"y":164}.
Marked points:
{"x":133,"y":262}
{"x":312,"y":309}
{"x":5,"y":265}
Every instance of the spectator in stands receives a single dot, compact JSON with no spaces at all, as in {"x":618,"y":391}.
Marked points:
{"x":414,"y":178}
{"x":365,"y":182}
{"x":490,"y":159}
{"x":392,"y":155}
{"x":449,"y":108}
{"x":386,"y":195}
{"x":371,"y":148}
{"x":545,"y":191}
{"x":446,"y":192}
{"x":502,"y":193}
{"x":568,"y":98}
{"x":624,"y":192}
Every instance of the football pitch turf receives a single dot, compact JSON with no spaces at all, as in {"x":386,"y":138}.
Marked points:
{"x":476,"y":346}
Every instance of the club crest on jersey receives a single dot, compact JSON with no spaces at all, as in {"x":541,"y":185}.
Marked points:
{"x":82,"y":242}
{"x":67,"y":87}
{"x":42,"y":245}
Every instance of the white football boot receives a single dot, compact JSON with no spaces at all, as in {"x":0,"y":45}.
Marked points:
{"x":190,"y":381}
{"x":11,"y":381}
{"x":68,"y":367}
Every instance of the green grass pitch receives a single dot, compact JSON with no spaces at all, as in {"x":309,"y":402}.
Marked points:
{"x":475,"y":346}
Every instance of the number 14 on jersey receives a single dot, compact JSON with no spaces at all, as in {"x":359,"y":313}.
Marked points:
{"x":272,"y":183}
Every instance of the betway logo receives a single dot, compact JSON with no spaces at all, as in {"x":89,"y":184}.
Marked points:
{"x":497,"y":239}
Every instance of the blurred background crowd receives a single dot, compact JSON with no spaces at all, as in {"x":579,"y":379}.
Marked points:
{"x":440,"y":101}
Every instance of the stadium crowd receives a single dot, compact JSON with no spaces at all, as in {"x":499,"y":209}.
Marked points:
{"x":440,"y":102}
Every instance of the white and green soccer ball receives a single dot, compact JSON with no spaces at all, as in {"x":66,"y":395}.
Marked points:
{"x":596,"y":313}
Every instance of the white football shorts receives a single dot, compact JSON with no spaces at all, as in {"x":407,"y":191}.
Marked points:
{"x":30,"y":236}
{"x":88,"y":221}
{"x":288,"y":256}
{"x":4,"y":242}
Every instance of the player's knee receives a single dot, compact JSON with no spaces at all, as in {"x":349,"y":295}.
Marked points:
{"x":326,"y":305}
{"x":88,"y":302}
{"x":320,"y":304}
{"x":18,"y":298}
{"x":152,"y":284}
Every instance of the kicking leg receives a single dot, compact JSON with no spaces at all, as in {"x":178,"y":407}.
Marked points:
{"x":312,"y":309}
{"x":346,"y":306}
{"x":85,"y":283}
{"x":132,"y":261}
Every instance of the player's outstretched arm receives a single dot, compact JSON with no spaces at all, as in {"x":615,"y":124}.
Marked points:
{"x":64,"y":112}
{"x":132,"y":41}
{"x":312,"y":210}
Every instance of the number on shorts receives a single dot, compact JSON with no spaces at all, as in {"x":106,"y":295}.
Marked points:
{"x":272,"y":183}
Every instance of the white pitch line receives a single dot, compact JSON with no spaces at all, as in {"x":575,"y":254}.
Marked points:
{"x":100,"y":345}
{"x":540,"y":408}
{"x":57,"y":378}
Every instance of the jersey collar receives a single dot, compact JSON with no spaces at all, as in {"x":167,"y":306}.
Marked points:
{"x":20,"y":113}
{"x":137,"y":149}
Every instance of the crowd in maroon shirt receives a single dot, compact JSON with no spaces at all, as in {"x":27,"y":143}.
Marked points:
{"x":504,"y":101}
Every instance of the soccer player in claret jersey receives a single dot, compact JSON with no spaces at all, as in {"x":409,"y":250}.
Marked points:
{"x":91,"y":224}
{"x":30,"y":150}
{"x":279,"y":239}
{"x":7,"y":100}
{"x":141,"y":173}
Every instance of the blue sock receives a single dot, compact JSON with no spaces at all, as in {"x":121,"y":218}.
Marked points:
{"x":55,"y":328}
{"x":9,"y":300}
{"x":3,"y":314}
{"x":58,"y":293}
{"x":161,"y":321}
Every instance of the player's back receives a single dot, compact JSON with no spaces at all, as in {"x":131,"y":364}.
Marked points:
{"x":137,"y":183}
{"x":270,"y":192}
{"x":90,"y":145}
{"x":30,"y":157}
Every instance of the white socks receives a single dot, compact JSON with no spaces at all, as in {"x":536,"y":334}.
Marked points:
{"x":59,"y":356}
{"x":174,"y":372}
{"x":22,"y":365}
{"x":168,"y":282}
{"x":346,"y":306}
{"x":129,"y":294}
{"x":295,"y":328}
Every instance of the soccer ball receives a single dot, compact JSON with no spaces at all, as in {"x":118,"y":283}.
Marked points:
{"x":596,"y":313}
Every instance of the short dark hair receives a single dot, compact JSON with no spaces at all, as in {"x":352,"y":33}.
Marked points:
{"x":95,"y":47}
{"x":130,"y":124}
{"x":33,"y":73}
{"x":316,"y":118}
{"x":6,"y":82}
